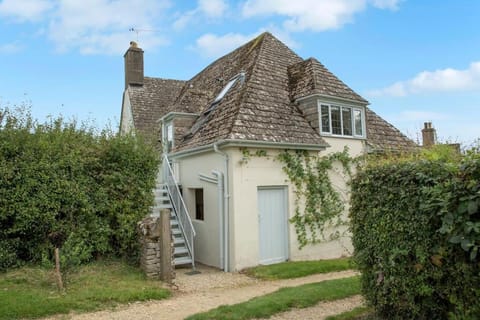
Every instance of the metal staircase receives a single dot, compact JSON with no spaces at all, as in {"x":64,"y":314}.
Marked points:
{"x":168,"y":196}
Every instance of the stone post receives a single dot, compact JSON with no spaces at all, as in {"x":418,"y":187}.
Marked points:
{"x":156,"y":247}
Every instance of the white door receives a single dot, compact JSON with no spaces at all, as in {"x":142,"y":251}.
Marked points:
{"x":272,"y":220}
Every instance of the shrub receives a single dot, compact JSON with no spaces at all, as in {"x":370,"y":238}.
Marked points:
{"x":64,"y":184}
{"x":416,"y":232}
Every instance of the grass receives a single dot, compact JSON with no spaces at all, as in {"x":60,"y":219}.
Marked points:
{"x":357,"y":313}
{"x":31,"y":292}
{"x":285,"y":299}
{"x":296,"y":269}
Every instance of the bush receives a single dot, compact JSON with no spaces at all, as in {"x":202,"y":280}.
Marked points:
{"x":416,"y":232}
{"x":63,"y":184}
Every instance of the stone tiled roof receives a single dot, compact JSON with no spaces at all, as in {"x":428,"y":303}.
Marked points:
{"x":152,"y":100}
{"x":311,"y":77}
{"x":382,"y":135}
{"x":260,"y":109}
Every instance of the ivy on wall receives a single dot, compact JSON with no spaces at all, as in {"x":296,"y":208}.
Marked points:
{"x":318,"y":203}
{"x":323,"y":204}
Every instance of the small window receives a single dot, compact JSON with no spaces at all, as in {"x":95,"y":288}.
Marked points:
{"x":168,"y":138}
{"x":336,"y":120}
{"x":347,"y":121}
{"x":357,"y":116}
{"x":325,"y":114}
{"x":199,"y":213}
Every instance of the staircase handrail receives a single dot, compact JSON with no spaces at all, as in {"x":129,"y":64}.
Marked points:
{"x":179,"y":207}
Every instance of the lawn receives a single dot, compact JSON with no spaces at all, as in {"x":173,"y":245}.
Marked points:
{"x":298,"y":269}
{"x":31,"y":292}
{"x":284,"y":299}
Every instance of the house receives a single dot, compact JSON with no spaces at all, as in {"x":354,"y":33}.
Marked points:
{"x":260,"y":97}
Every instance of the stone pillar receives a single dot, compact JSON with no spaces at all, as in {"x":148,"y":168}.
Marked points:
{"x":155,"y":236}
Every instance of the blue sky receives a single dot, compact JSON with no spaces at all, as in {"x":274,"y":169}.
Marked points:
{"x":415,"y":61}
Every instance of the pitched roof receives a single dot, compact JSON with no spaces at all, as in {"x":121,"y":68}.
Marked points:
{"x":381,"y":135}
{"x":260,"y":109}
{"x":152,"y":100}
{"x":263,"y":109}
{"x":311,"y":77}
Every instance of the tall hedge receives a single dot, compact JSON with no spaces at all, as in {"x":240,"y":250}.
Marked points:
{"x":416,"y":233}
{"x":66,"y":185}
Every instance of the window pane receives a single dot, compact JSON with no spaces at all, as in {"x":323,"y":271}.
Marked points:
{"x":199,"y":214}
{"x":169,"y":136}
{"x":325,"y":119}
{"x":336,"y":120}
{"x":347,"y":121}
{"x":357,"y":114}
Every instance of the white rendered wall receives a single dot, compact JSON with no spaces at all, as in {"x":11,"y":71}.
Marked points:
{"x":207,"y":243}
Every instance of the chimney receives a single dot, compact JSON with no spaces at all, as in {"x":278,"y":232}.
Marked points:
{"x":133,"y":65}
{"x":429,"y":135}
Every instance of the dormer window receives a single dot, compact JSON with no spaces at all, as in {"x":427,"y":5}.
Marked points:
{"x":338,"y":120}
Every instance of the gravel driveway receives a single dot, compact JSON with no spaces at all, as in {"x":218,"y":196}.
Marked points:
{"x":212,"y":288}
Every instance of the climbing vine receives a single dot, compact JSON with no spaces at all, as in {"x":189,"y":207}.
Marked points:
{"x":323,"y":203}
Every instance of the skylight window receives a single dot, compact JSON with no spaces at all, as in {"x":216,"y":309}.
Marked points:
{"x":239,"y":77}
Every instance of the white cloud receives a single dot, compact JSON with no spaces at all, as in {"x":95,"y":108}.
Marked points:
{"x":444,"y":80}
{"x":10,"y":48}
{"x":25,"y":10}
{"x":212,"y":46}
{"x":210,"y":9}
{"x":315,"y":15}
{"x":102,"y":26}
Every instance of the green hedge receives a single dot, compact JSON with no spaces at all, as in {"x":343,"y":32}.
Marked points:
{"x":416,"y":233}
{"x":63,"y":184}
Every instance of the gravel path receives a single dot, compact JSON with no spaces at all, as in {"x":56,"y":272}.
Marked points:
{"x":321,"y":310}
{"x":201,"y":292}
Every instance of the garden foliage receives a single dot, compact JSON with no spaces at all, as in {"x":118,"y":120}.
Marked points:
{"x":63,"y":184}
{"x":416,"y":234}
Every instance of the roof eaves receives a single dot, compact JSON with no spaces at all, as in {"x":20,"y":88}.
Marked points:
{"x":250,"y":144}
{"x":340,"y":99}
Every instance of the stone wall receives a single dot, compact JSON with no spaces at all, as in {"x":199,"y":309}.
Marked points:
{"x":155,"y":237}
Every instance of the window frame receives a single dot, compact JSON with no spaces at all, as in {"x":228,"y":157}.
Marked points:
{"x":322,"y":104}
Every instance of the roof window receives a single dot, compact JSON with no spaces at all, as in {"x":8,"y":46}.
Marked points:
{"x":239,"y":77}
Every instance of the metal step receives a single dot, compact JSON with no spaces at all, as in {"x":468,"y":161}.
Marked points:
{"x":178,"y":241}
{"x":182,"y":260}
{"x":180,"y":250}
{"x":159,"y":206}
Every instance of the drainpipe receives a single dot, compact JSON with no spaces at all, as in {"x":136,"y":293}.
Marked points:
{"x":221,"y":213}
{"x":225,"y":219}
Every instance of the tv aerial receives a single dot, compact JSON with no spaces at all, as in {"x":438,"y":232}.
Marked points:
{"x":137,"y":31}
